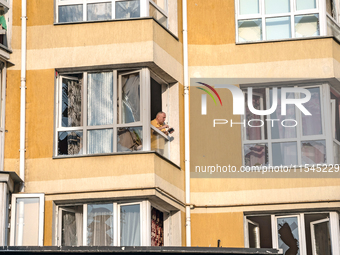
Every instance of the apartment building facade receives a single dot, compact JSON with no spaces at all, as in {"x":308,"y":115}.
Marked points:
{"x":95,"y":172}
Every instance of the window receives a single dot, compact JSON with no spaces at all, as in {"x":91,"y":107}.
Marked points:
{"x":109,"y":111}
{"x":273,"y":140}
{"x":4,"y":17}
{"x":309,"y":233}
{"x":112,"y":224}
{"x":93,"y":10}
{"x":27,"y":220}
{"x":259,"y":20}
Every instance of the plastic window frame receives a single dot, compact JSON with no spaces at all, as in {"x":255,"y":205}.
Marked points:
{"x":144,"y":8}
{"x":41,"y":198}
{"x":320,"y":10}
{"x":326,"y":135}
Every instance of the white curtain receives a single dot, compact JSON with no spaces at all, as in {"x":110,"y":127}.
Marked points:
{"x":100,"y":225}
{"x":100,"y":98}
{"x":100,"y":141}
{"x":130,"y":225}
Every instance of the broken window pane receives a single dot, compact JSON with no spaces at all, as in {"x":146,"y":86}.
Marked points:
{"x":307,"y":25}
{"x":70,"y":143}
{"x":130,"y":139}
{"x":288,"y":235}
{"x":249,"y":30}
{"x":256,"y":154}
{"x":72,"y":225}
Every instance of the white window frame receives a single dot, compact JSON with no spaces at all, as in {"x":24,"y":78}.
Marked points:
{"x":5,"y":3}
{"x":41,"y":198}
{"x":326,"y":129}
{"x":246,"y":231}
{"x":320,"y":10}
{"x":144,"y":7}
{"x":145,"y":108}
{"x":334,"y":229}
{"x":312,"y":232}
{"x":145,"y":221}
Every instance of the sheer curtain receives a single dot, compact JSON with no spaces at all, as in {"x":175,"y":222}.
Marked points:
{"x":100,"y":141}
{"x":130,"y":225}
{"x":100,"y":225}
{"x":100,"y":98}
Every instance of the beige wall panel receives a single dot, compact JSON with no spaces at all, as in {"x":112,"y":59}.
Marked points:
{"x":303,"y":68}
{"x":48,"y":223}
{"x":227,"y":227}
{"x":232,"y":54}
{"x":12,"y":165}
{"x":16,"y":9}
{"x":12,"y":122}
{"x":265,"y":196}
{"x":211,"y":22}
{"x":308,"y":207}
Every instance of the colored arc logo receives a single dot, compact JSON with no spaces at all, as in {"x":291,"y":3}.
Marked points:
{"x":212,"y":89}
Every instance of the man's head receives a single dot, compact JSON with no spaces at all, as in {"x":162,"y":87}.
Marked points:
{"x":160,"y":117}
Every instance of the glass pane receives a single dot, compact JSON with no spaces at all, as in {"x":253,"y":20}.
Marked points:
{"x":249,"y":30}
{"x":100,"y":11}
{"x":100,"y":225}
{"x":285,"y":154}
{"x":100,"y":141}
{"x":130,"y":225}
{"x":256,"y":154}
{"x":159,"y":144}
{"x":277,"y":6}
{"x":288,"y":235}
{"x":100,"y":98}
{"x":313,"y":152}
{"x":249,"y":7}
{"x":311,"y":124}
{"x":130,"y":103}
{"x":305,"y":4}
{"x":70,"y":143}
{"x":130,"y":139}
{"x":72,"y":226}
{"x":278,"y":131}
{"x":70,"y":13}
{"x":27,"y":222}
{"x":162,"y":4}
{"x":259,"y":99}
{"x":127,"y":9}
{"x":307,"y":25}
{"x":157,"y":15}
{"x":157,"y":231}
{"x":71,"y":102}
{"x":322,"y":237}
{"x":278,"y":28}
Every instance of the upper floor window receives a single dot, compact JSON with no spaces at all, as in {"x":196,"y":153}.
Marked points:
{"x":259,"y":20}
{"x":92,"y":10}
{"x":109,"y":111}
{"x":292,"y":139}
{"x":2,"y":112}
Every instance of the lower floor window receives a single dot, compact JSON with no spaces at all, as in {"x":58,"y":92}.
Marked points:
{"x":111,"y":224}
{"x":296,"y":234}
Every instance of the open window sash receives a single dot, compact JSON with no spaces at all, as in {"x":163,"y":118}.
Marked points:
{"x":27,"y":220}
{"x":70,"y":227}
{"x":253,"y":230}
{"x":321,"y":237}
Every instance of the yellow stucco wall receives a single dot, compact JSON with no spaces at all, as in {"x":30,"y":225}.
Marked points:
{"x":48,"y":223}
{"x":207,"y":228}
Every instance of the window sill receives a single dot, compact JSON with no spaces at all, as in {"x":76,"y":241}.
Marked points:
{"x":118,"y":153}
{"x":116,"y":20}
{"x":286,"y":40}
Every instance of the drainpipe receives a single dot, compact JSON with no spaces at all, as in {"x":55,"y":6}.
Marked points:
{"x":186,"y":125}
{"x":23,"y":92}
